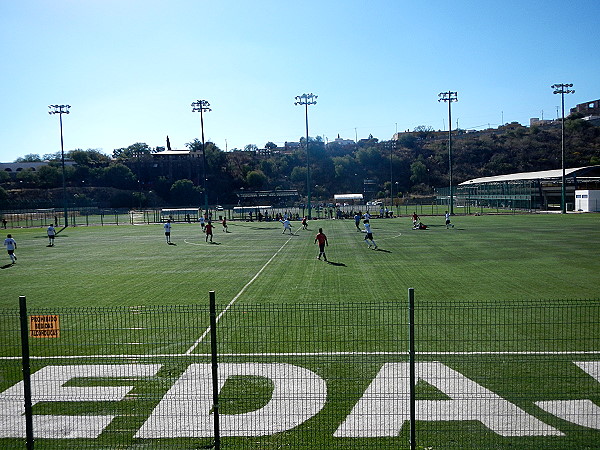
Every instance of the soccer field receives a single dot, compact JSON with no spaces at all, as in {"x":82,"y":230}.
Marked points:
{"x":499,"y":258}
{"x":506,"y":308}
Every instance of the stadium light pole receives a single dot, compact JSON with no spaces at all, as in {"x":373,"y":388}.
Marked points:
{"x":201,"y":106}
{"x":562,"y":89}
{"x":307,"y":99}
{"x":60,"y":110}
{"x":449,"y":97}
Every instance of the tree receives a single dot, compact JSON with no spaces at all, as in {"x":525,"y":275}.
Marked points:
{"x":133,"y":151}
{"x":28,"y":177}
{"x":57,"y":156}
{"x":298,"y":174}
{"x":423,"y":131}
{"x":184,"y":193}
{"x":407,"y":140}
{"x":418,"y":172}
{"x":256,"y":179}
{"x":119,"y":176}
{"x":250,"y":148}
{"x":3,"y":197}
{"x":32,"y":157}
{"x":49,"y":177}
{"x":270,"y":145}
{"x":89,"y":157}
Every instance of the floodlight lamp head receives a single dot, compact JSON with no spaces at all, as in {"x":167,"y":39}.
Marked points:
{"x":59,"y":109}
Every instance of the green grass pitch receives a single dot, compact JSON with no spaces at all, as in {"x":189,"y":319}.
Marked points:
{"x":490,"y":259}
{"x":499,"y":258}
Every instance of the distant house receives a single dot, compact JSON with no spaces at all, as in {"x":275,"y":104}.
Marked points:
{"x":175,"y":164}
{"x":340,"y":141}
{"x":536,"y":121}
{"x":591,"y":108}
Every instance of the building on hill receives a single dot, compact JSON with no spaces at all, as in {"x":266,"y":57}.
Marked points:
{"x":175,"y":164}
{"x":14,"y":168}
{"x":526,"y":190}
{"x":341,"y":142}
{"x":536,"y":121}
{"x":591,"y":108}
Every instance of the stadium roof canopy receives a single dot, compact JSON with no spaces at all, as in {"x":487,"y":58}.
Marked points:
{"x":348,"y":197}
{"x":588,"y":171}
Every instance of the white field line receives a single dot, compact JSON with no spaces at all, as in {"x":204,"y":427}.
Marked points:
{"x":230,"y":304}
{"x":297,"y":354}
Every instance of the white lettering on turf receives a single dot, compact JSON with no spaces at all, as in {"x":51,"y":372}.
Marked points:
{"x":185,"y":410}
{"x":581,"y":412}
{"x":385,"y":406}
{"x":47,"y":385}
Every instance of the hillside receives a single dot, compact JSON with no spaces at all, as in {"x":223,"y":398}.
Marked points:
{"x":416,"y":163}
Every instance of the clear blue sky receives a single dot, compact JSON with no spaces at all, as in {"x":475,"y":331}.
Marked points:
{"x":131,"y":68}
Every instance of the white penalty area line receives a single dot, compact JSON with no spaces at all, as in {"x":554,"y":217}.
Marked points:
{"x":307,"y":354}
{"x":230,"y":304}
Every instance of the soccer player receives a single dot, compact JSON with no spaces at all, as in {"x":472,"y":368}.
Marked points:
{"x":415,"y":219}
{"x":447,"y":216}
{"x":209,"y":231}
{"x":11,"y":246}
{"x":369,"y":235}
{"x":51,"y":234}
{"x":322,"y":239}
{"x":286,"y":225}
{"x":167,"y":227}
{"x":357,"y":221}
{"x":304,"y":223}
{"x":202,"y":222}
{"x":224,"y":223}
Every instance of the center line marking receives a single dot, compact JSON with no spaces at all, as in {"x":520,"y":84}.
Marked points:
{"x":201,"y":338}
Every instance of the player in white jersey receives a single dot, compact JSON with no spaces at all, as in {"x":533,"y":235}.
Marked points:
{"x":51,"y":234}
{"x":167,"y":227}
{"x":286,"y":225}
{"x":369,"y":234}
{"x":447,"y":216}
{"x":11,"y":246}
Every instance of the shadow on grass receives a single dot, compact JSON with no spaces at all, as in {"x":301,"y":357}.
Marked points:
{"x":171,"y":243}
{"x":6,"y":266}
{"x":382,"y":250}
{"x":332,"y":263}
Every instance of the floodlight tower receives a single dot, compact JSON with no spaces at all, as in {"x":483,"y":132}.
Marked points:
{"x":307,"y":99}
{"x":60,"y":110}
{"x":562,"y":89}
{"x":449,"y":97}
{"x":201,"y":106}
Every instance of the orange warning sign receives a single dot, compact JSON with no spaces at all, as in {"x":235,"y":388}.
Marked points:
{"x":44,"y":326}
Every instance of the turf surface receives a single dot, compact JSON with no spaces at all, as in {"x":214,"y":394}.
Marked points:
{"x":500,"y":258}
{"x":511,"y":262}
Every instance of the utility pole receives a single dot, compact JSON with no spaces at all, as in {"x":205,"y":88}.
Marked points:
{"x":60,"y":110}
{"x":307,"y":99}
{"x":562,"y":89}
{"x":449,"y":97}
{"x":201,"y":106}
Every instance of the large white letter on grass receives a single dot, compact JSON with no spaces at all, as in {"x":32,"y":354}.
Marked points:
{"x":47,"y":385}
{"x":185,"y":410}
{"x":581,"y":412}
{"x":385,"y":405}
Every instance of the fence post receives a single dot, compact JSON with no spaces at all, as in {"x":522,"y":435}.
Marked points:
{"x":26,"y":372}
{"x":215,"y":373}
{"x":411,"y":358}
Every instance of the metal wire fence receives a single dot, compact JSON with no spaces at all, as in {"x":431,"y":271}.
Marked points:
{"x":300,"y":376}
